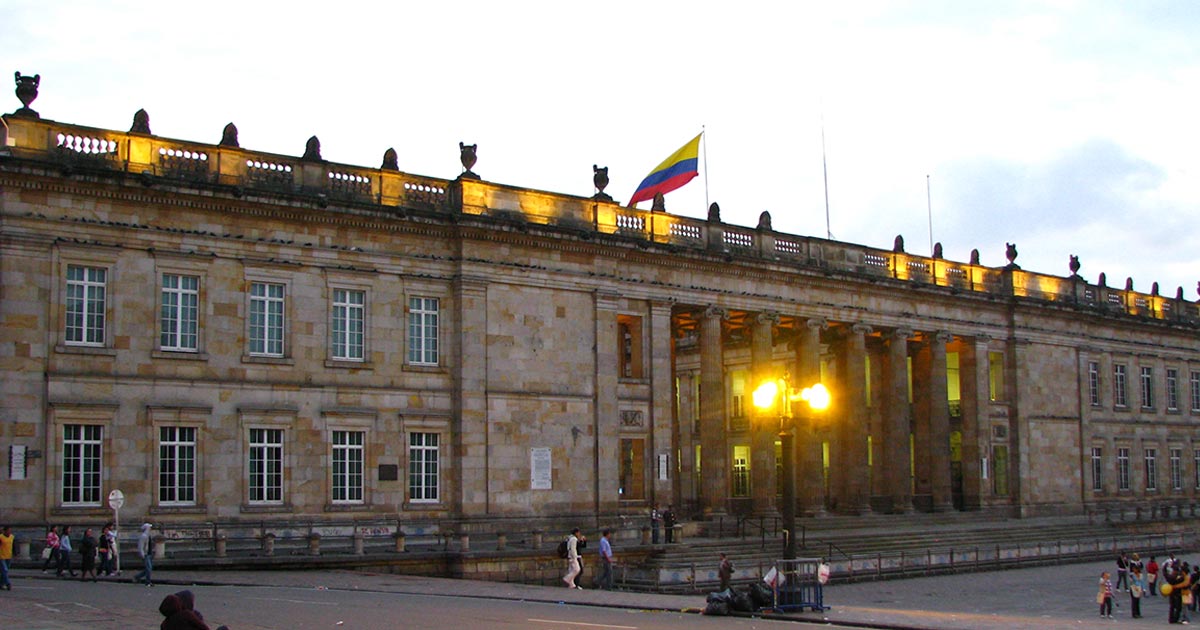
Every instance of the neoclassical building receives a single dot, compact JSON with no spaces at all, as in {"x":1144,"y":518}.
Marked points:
{"x":229,"y":335}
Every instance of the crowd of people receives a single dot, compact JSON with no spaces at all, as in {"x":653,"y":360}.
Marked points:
{"x":97,"y":554}
{"x":1176,"y":580}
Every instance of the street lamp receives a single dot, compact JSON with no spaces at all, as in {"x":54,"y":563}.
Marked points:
{"x":778,"y":393}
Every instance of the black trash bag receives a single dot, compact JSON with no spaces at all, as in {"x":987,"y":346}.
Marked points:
{"x":741,"y":602}
{"x":718,"y":608}
{"x":760,"y":595}
{"x":720,"y":596}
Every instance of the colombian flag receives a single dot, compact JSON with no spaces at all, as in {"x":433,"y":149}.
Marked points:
{"x":673,"y":173}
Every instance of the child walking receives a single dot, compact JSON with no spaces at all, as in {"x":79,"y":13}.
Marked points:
{"x":1105,"y":596}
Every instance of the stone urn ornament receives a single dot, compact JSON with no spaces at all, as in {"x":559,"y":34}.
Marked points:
{"x":27,"y":92}
{"x":1074,"y":265}
{"x":600,"y":181}
{"x":466,"y":155}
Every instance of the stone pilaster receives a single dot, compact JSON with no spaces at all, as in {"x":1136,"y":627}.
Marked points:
{"x":973,"y":386}
{"x":471,"y":426}
{"x":685,"y":482}
{"x":715,"y":474}
{"x":661,"y":400}
{"x":607,"y":411}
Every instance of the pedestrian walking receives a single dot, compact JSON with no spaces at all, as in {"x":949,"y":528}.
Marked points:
{"x":606,"y":561}
{"x":669,"y":523}
{"x":1105,"y":596}
{"x":1174,"y":575}
{"x":64,"y":552}
{"x":50,"y":558}
{"x":655,"y":524}
{"x":147,"y":555}
{"x":1137,"y":588}
{"x":1152,"y":576}
{"x":725,"y":571}
{"x":1122,"y":572}
{"x":87,"y":555}
{"x":104,"y":549}
{"x":6,"y":553}
{"x":573,"y":569}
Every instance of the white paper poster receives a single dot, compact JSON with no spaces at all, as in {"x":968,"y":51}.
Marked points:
{"x":540,"y":469}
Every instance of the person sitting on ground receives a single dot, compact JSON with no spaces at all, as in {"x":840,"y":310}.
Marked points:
{"x":177,"y":617}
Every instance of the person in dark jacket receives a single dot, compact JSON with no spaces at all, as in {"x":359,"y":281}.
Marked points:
{"x":177,"y":617}
{"x":87,"y":555}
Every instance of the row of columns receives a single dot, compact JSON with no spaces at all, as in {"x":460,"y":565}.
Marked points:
{"x":847,"y":423}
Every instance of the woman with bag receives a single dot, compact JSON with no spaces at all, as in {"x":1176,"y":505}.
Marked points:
{"x":1137,"y":588}
{"x":50,"y":553}
{"x":104,"y":549}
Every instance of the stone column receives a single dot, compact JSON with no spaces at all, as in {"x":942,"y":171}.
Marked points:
{"x":684,"y":484}
{"x":764,"y":425}
{"x":973,"y":384}
{"x":854,"y":496}
{"x":940,"y":479}
{"x":468,"y":488}
{"x":897,"y":459}
{"x":715,"y":474}
{"x":810,"y":452}
{"x":607,"y":419}
{"x":662,"y":399}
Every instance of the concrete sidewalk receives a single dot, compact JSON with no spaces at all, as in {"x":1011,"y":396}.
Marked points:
{"x":1041,"y":597}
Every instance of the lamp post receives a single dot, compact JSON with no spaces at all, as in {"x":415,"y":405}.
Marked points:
{"x":778,"y":393}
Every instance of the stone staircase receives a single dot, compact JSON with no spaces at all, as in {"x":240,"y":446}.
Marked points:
{"x":886,"y":546}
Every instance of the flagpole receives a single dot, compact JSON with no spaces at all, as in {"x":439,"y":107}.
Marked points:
{"x":929,"y":206}
{"x":704,"y":142}
{"x":825,"y":174}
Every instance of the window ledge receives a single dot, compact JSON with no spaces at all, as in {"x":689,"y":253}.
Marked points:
{"x":250,"y":358}
{"x":426,"y":369}
{"x":179,"y":355}
{"x":347,"y":507}
{"x":93,"y":350}
{"x":633,"y":380}
{"x":248,"y":508}
{"x":179,"y":509}
{"x":346,"y":364}
{"x":416,"y":506}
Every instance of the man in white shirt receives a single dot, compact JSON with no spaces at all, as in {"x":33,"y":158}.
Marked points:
{"x":572,"y":559}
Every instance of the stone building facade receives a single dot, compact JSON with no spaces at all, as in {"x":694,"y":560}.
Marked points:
{"x":227,"y":335}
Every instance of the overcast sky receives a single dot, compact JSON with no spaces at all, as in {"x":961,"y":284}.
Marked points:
{"x":1066,"y":127}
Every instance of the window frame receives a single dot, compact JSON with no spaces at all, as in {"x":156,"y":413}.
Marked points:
{"x":1146,"y":380}
{"x":1123,"y":468}
{"x":1094,"y":383}
{"x":178,"y":320}
{"x":419,"y":491}
{"x":87,"y":481}
{"x":259,"y":484}
{"x":252,"y":328}
{"x":1176,"y":468}
{"x":1172,"y":389}
{"x":419,"y":329}
{"x":1150,"y":460}
{"x":87,"y":326}
{"x":342,"y":454}
{"x":341,"y":321}
{"x":178,"y":442}
{"x":1120,"y":386}
{"x":1097,"y":469}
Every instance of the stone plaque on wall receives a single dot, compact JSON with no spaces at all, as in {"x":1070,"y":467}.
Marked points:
{"x":632,"y":418}
{"x":389,"y":472}
{"x":540,"y":469}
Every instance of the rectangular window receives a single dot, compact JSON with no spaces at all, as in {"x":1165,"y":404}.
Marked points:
{"x":347,"y":326}
{"x":629,"y":333}
{"x":1177,"y":469}
{"x":1151,"y":469}
{"x":266,"y":319}
{"x":423,"y":463}
{"x":179,"y":316}
{"x":1123,"y":468}
{"x":1147,"y":379}
{"x":741,"y":471}
{"x":995,"y":376}
{"x":633,"y":474}
{"x":423,"y":331}
{"x":81,"y":464}
{"x":1195,"y":382}
{"x":266,"y":466}
{"x":1196,"y":467}
{"x":1000,"y":469}
{"x":348,"y":466}
{"x":1119,"y":391}
{"x":176,"y":465}
{"x":86,"y":287}
{"x":1094,"y":383}
{"x":1097,"y":469}
{"x":1172,"y":389}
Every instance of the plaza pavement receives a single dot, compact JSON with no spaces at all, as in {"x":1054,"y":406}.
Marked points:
{"x":1048,"y":597}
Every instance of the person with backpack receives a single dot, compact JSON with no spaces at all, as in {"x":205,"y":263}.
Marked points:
{"x":573,"y":568}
